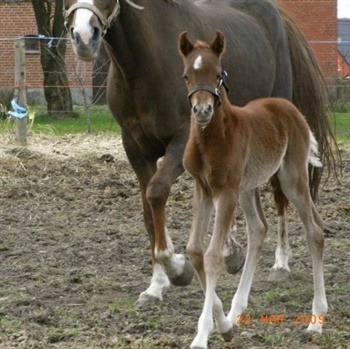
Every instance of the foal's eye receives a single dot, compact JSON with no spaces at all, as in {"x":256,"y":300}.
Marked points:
{"x":185,"y":78}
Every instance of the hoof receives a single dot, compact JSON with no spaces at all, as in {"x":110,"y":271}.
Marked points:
{"x":234,"y":262}
{"x":185,"y":278}
{"x":147,"y":301}
{"x":308,"y":337}
{"x":278,"y":275}
{"x":227,"y":336}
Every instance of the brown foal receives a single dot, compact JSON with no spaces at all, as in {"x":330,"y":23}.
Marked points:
{"x":230,"y":153}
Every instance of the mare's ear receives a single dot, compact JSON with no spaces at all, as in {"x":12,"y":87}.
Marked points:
{"x":185,"y":44}
{"x":218,"y":43}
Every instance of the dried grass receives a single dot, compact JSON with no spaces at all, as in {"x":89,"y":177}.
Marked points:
{"x":77,"y":145}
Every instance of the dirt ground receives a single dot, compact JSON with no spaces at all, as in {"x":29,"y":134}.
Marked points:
{"x":74,"y":257}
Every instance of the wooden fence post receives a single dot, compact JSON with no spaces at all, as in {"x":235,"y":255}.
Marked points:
{"x":20,"y":91}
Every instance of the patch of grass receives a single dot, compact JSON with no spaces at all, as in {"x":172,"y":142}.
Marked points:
{"x":334,"y":339}
{"x":121,"y":343}
{"x":341,"y":288}
{"x":125,"y":306}
{"x":342,"y":124}
{"x":274,"y":295}
{"x":9,"y":325}
{"x":101,"y":121}
{"x":274,"y":340}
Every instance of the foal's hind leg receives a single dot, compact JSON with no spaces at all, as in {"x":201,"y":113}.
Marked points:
{"x":280,"y":270}
{"x":296,"y":188}
{"x":233,"y":252}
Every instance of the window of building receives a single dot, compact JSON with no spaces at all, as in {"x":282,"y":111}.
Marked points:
{"x":32,"y":44}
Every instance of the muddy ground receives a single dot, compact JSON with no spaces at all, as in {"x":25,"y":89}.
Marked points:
{"x":74,"y":258}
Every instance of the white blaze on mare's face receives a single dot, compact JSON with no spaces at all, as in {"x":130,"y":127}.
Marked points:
{"x":198,"y":63}
{"x":82,"y":22}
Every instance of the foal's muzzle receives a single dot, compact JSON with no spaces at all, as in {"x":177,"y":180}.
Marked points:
{"x":204,"y":112}
{"x":213,"y":90}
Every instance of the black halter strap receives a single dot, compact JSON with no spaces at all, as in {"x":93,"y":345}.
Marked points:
{"x":213,"y":90}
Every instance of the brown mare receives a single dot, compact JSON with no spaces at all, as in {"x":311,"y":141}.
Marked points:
{"x":145,"y":92}
{"x":232,"y":151}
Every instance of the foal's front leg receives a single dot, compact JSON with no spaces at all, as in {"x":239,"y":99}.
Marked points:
{"x":256,"y":231}
{"x":209,"y":267}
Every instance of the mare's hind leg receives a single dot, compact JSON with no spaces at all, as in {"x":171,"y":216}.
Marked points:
{"x":256,"y":231}
{"x":233,"y":252}
{"x":280,"y":270}
{"x":295,"y":186}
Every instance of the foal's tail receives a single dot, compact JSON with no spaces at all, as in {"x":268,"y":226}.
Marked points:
{"x":309,"y":95}
{"x":314,"y":154}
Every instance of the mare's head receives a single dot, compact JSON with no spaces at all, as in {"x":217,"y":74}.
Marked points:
{"x":87,"y":21}
{"x":203,"y":74}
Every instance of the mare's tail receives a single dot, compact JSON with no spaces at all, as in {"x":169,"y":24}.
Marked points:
{"x":309,"y":95}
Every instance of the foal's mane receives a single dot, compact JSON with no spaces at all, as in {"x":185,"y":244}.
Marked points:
{"x":201,"y":44}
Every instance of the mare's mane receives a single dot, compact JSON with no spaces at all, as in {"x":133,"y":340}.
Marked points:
{"x":172,"y":1}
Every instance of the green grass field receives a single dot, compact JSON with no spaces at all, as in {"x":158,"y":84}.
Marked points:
{"x":102,"y":121}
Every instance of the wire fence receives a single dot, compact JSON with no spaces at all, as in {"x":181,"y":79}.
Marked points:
{"x":87,"y":81}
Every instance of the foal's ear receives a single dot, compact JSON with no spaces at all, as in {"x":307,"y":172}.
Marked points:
{"x":185,"y":44}
{"x":218,"y":44}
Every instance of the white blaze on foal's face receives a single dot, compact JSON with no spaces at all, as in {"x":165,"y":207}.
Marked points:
{"x":82,"y":22}
{"x":198,"y":62}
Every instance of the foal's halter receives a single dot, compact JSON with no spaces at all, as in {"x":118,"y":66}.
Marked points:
{"x":106,"y":22}
{"x":213,"y":90}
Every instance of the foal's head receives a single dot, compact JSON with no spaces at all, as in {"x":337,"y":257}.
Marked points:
{"x":203,"y":74}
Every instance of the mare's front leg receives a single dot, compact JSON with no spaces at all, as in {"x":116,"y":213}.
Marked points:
{"x":208,"y":267}
{"x":256,"y":231}
{"x":176,"y":266}
{"x":144,"y":171}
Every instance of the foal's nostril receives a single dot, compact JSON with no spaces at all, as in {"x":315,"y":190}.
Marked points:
{"x":209,"y":109}
{"x":195,"y":109}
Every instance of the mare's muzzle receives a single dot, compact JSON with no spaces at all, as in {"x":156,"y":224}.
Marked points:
{"x":106,"y":22}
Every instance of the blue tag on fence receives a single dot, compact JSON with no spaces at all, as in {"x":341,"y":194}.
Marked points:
{"x":18,"y":111}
